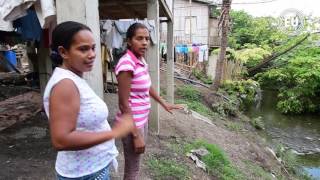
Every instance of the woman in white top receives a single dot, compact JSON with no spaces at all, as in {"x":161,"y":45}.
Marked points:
{"x":77,"y":116}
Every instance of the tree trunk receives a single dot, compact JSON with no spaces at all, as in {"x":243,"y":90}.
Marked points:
{"x":224,"y":23}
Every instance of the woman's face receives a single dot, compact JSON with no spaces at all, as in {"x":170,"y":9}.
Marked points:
{"x":139,"y":42}
{"x":80,"y":56}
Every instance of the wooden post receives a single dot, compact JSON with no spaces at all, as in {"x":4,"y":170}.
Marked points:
{"x":154,"y":66}
{"x":86,"y":12}
{"x":170,"y":63}
{"x":44,"y":65}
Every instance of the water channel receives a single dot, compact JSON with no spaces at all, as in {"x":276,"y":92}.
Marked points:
{"x":299,"y":133}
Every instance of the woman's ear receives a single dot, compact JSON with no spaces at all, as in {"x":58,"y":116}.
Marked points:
{"x":129,"y":43}
{"x":63,"y":52}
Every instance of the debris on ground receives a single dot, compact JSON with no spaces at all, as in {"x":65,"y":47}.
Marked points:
{"x":19,"y":108}
{"x":196,"y":156}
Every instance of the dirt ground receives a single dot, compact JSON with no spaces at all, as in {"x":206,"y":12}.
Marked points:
{"x":26,"y":152}
{"x":25,"y":149}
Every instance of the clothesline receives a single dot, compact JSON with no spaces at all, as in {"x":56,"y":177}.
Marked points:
{"x":200,"y":50}
{"x":113,"y":32}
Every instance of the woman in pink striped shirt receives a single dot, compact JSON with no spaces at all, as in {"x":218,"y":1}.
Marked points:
{"x":134,"y":96}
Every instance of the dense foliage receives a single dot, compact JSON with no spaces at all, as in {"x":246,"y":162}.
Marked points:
{"x":298,"y":82}
{"x":250,"y":57}
{"x":202,"y":76}
{"x":247,"y":29}
{"x":246,"y":91}
{"x":295,"y":75}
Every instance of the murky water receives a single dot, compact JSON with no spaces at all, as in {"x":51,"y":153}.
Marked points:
{"x":300,"y":133}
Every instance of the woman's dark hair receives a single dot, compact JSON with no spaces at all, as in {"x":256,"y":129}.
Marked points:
{"x":63,"y":35}
{"x":132,"y":30}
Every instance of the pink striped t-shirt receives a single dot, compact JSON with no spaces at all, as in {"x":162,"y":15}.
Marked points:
{"x":139,"y":99}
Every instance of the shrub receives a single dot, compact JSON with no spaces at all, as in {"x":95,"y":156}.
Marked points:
{"x":245,"y":91}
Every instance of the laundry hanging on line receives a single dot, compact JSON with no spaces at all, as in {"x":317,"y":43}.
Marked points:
{"x":201,"y":50}
{"x":28,"y":26}
{"x":28,"y":17}
{"x":113,"y":32}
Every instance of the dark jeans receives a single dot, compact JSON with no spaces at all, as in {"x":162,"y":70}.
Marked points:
{"x":103,"y":174}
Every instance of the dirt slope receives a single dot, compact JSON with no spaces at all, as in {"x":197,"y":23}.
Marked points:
{"x":26,"y":152}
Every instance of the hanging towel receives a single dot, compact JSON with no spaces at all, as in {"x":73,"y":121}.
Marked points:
{"x":46,"y":13}
{"x":150,"y":24}
{"x":114,"y":32}
{"x":107,"y":32}
{"x":13,"y":9}
{"x":28,"y":26}
{"x":5,"y":25}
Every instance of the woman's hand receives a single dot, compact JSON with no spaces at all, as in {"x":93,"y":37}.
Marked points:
{"x":138,"y":143}
{"x":169,"y":107}
{"x":123,"y":127}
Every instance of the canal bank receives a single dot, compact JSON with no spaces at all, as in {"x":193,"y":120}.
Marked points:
{"x":300,"y":133}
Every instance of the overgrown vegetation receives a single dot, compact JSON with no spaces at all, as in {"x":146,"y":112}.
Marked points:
{"x":217,"y":162}
{"x":289,"y":160}
{"x":234,"y":126}
{"x":226,"y":108}
{"x":238,"y":95}
{"x":189,"y":95}
{"x":258,"y":171}
{"x":162,"y":169}
{"x":295,"y":75}
{"x":252,"y":56}
{"x":202,"y":76}
{"x":257,"y":123}
{"x":245,"y":91}
{"x":298,"y":82}
{"x":260,"y":31}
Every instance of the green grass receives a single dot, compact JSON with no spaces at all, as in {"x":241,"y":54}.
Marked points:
{"x":202,"y":76}
{"x":198,"y":107}
{"x":190,"y":96}
{"x":189,"y":93}
{"x":290,"y":161}
{"x":163,"y":169}
{"x":258,"y":171}
{"x":234,"y":126}
{"x":217,"y":162}
{"x":176,"y":147}
{"x":257,"y":123}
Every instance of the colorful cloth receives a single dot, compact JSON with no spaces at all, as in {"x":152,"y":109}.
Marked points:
{"x":195,"y":49}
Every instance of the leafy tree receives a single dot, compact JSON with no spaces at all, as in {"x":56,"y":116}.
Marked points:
{"x":251,"y":56}
{"x":291,"y":63}
{"x":298,"y":81}
{"x":261,"y":31}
